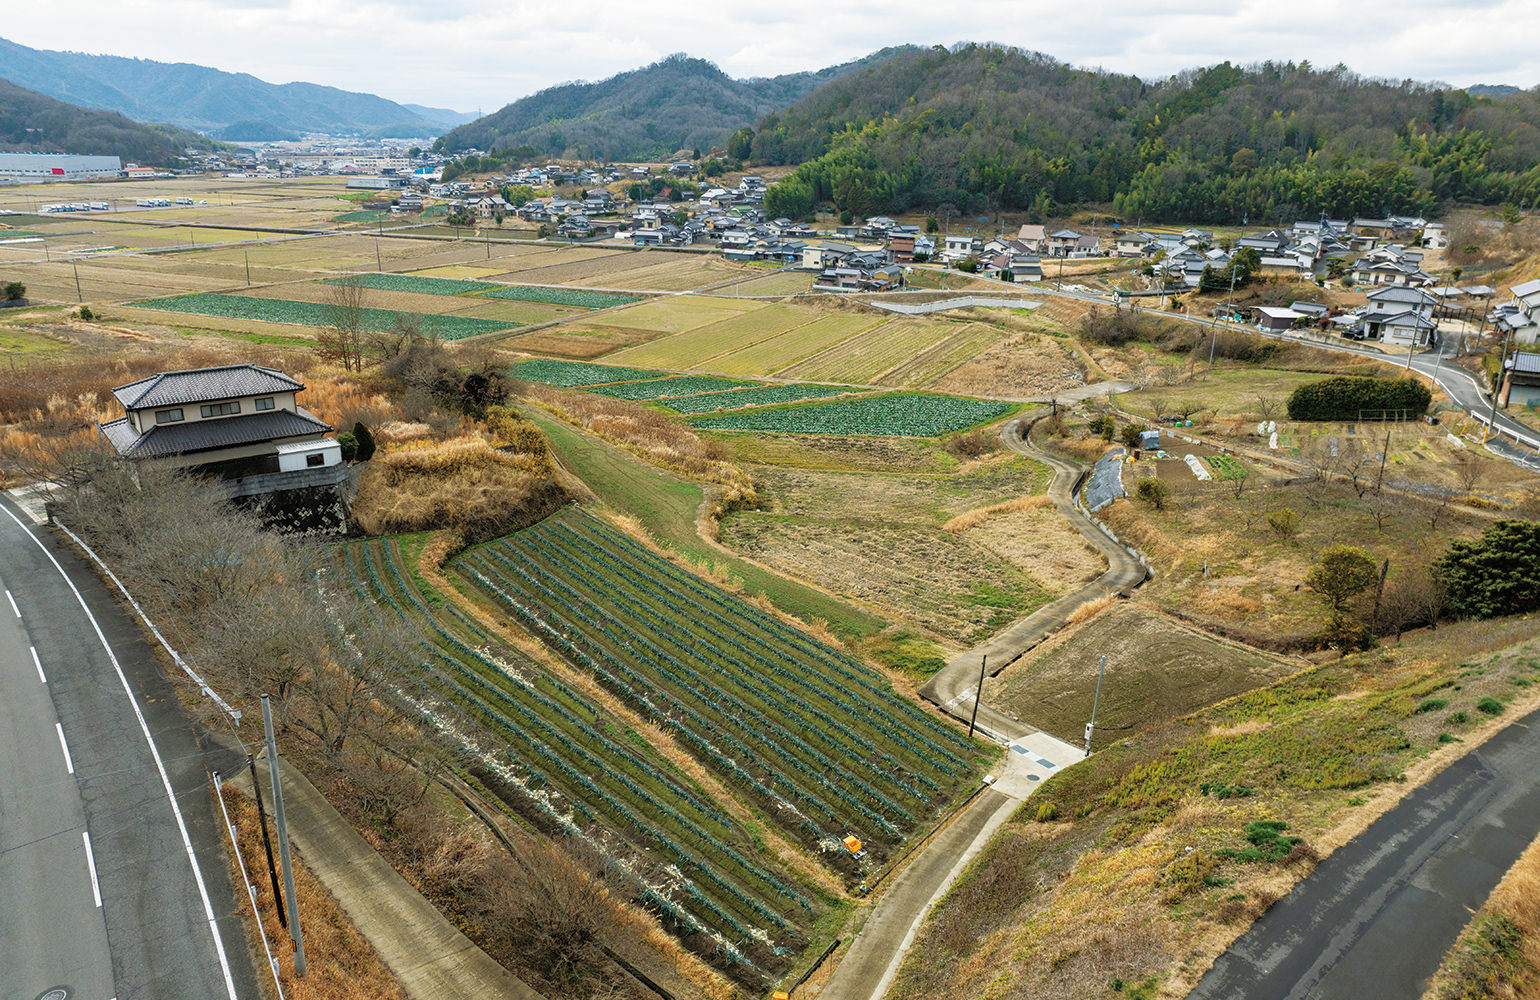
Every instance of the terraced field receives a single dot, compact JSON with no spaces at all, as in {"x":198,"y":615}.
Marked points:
{"x":768,"y":357}
{"x":935,"y":362}
{"x":816,"y":739}
{"x":551,"y":756}
{"x":698,"y":345}
{"x":677,"y":314}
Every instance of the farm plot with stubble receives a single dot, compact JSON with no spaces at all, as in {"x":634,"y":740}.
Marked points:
{"x":904,"y":414}
{"x":696,"y":347}
{"x":814,"y":740}
{"x":548,"y":749}
{"x":770,"y":356}
{"x":676,"y":314}
{"x":862,"y":359}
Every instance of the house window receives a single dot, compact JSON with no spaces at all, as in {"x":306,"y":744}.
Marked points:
{"x":168,"y":416}
{"x":221,"y":409}
{"x":319,"y":458}
{"x":265,"y":403}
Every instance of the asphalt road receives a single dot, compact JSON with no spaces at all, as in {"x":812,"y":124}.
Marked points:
{"x":151,"y":913}
{"x":1378,"y":915}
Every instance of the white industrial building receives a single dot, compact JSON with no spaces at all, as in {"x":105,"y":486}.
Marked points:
{"x":58,"y":166}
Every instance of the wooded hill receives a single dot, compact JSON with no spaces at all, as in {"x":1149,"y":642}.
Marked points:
{"x":199,"y":97}
{"x":986,"y":127}
{"x":677,"y":103}
{"x":33,"y":123}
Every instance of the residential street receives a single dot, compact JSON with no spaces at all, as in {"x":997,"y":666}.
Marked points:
{"x":1376,"y":918}
{"x":151,"y":912}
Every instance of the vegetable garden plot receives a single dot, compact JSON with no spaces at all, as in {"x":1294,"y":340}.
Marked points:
{"x":764,"y":395}
{"x":412,"y":283}
{"x":559,"y":296}
{"x":903,"y":414}
{"x":558,"y":762}
{"x":816,"y":739}
{"x":658,"y":388}
{"x":316,"y":314}
{"x":574,"y":374}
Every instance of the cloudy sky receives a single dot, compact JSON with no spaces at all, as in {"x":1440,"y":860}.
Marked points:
{"x":481,"y":54}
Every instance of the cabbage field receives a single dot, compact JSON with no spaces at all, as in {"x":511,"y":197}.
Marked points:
{"x":421,"y":284}
{"x":684,"y":385}
{"x":318,"y":314}
{"x":902,"y":414}
{"x":575,"y":374}
{"x":560,"y":296}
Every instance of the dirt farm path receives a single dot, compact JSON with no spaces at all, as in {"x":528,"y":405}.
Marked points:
{"x":872,"y":961}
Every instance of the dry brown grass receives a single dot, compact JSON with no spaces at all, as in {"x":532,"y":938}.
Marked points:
{"x":339,"y":963}
{"x":973,"y":518}
{"x":487,"y":480}
{"x":1090,"y":609}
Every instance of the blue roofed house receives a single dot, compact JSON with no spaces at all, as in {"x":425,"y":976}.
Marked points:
{"x":239,"y":424}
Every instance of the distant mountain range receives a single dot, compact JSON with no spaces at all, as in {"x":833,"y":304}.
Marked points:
{"x":211,"y":100}
{"x":678,"y":103}
{"x":35,"y":123}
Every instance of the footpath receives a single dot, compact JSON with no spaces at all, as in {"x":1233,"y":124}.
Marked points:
{"x":429,"y":955}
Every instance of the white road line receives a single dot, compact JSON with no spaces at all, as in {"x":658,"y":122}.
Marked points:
{"x":8,"y":596}
{"x":65,"y":747}
{"x":96,"y":887}
{"x":38,"y":664}
{"x":165,"y":780}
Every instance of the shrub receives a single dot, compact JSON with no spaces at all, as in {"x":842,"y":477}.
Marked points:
{"x":365,"y":441}
{"x":1458,"y":718}
{"x":1449,"y":738}
{"x":1154,"y":492}
{"x":1496,"y":574}
{"x":1130,"y":436}
{"x":1284,"y":521}
{"x":1047,"y":813}
{"x":1115,"y":327}
{"x":968,"y":265}
{"x":86,"y":313}
{"x":1356,"y":397}
{"x":1267,"y":842}
{"x":1102,"y":426}
{"x":15,"y":291}
{"x":1430,"y":705}
{"x":349,"y":445}
{"x":1490,"y":706}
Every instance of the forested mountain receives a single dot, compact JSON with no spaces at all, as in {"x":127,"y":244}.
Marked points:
{"x":34,"y":123}
{"x":198,"y":97}
{"x":645,"y":114}
{"x":988,"y":127}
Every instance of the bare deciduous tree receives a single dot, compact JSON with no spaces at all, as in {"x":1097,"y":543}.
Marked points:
{"x":342,"y":339}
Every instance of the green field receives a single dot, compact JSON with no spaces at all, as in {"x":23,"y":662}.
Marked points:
{"x":573,"y":374}
{"x":904,"y":414}
{"x":667,"y":507}
{"x":559,"y":296}
{"x":685,"y":385}
{"x":764,"y":395}
{"x":412,"y":283}
{"x":553,"y":758}
{"x":316,"y":314}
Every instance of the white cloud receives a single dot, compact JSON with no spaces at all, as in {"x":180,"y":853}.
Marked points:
{"x":470,"y":54}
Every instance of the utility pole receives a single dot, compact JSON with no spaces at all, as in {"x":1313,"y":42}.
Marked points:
{"x":295,"y":933}
{"x":978,"y":696}
{"x":379,"y":262}
{"x":267,"y":842}
{"x":78,"y":296}
{"x":1497,"y":387}
{"x":247,"y":255}
{"x":1090,"y":727}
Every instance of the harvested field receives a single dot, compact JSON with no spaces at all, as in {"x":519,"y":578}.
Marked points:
{"x":933,"y":363}
{"x":921,"y":499}
{"x":682,"y":274}
{"x":860,"y":360}
{"x":775,"y":353}
{"x":1025,"y":365}
{"x":695,"y":348}
{"x":675,"y":315}
{"x":776,"y":283}
{"x":915,"y":573}
{"x":580,"y":342}
{"x":1043,"y":545}
{"x":1157,"y":669}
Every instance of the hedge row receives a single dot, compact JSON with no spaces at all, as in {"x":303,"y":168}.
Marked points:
{"x":1354,"y":397}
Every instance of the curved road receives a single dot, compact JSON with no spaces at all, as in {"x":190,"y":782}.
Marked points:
{"x":113,"y":875}
{"x":872,"y":962}
{"x":1379,"y":914}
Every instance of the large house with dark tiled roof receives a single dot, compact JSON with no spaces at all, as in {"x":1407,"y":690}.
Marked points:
{"x":237,"y":423}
